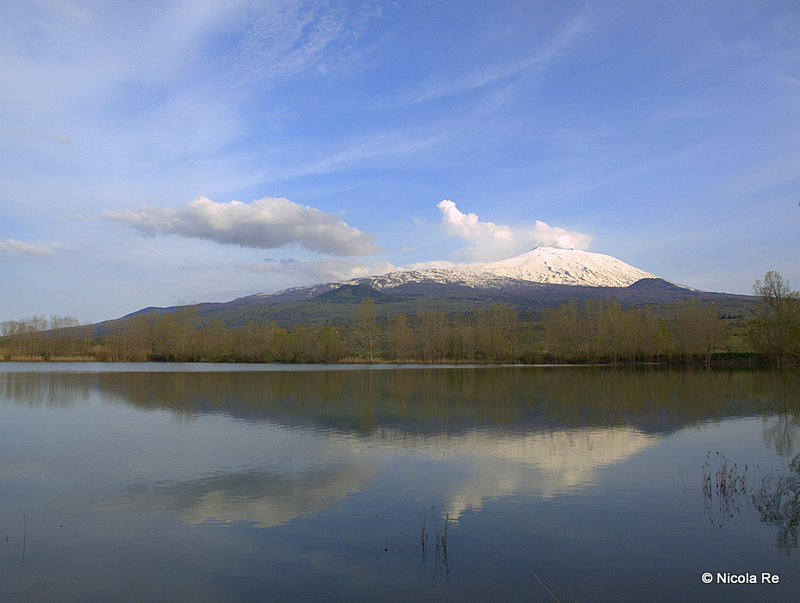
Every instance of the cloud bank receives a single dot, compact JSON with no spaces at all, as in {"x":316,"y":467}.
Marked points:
{"x":488,"y":241}
{"x":18,"y":248}
{"x":267,"y":223}
{"x":320,"y":271}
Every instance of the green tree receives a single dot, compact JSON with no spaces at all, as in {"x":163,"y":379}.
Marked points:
{"x":330,"y":344}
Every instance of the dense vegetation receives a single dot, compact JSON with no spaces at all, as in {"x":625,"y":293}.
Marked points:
{"x":593,"y":331}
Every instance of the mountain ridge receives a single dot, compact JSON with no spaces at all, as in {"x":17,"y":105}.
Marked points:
{"x":540,"y":278}
{"x":542,"y":265}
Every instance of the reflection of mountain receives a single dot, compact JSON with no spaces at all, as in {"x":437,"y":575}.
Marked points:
{"x":543,"y":463}
{"x":494,"y":462}
{"x":566,"y":452}
{"x":264,"y":499}
{"x":509,"y":430}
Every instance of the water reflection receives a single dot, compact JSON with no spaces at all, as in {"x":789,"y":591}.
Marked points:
{"x":774,"y":492}
{"x":260,"y":498}
{"x":433,"y":540}
{"x":778,"y":504}
{"x":503,"y":462}
{"x":542,"y":467}
{"x":654,"y":400}
{"x":534,"y":431}
{"x":782,"y":433}
{"x":491,"y":463}
{"x":23,"y":468}
{"x":728,"y":489}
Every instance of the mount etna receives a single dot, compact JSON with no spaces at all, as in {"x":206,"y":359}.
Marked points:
{"x":543,"y":277}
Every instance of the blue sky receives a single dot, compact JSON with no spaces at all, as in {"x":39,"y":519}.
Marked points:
{"x":199,"y":151}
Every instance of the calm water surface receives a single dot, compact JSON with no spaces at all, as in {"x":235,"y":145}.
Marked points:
{"x":226,"y":482}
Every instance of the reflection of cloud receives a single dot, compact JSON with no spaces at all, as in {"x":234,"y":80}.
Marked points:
{"x":261,"y":498}
{"x":24,"y":468}
{"x":498,"y":463}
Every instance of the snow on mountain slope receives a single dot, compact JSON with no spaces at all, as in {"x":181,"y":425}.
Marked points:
{"x":545,"y":265}
{"x":569,"y":267}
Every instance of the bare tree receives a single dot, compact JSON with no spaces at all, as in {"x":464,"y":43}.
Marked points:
{"x":367,"y":324}
{"x":776,"y":330}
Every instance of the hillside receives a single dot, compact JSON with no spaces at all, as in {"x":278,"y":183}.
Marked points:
{"x":543,"y":277}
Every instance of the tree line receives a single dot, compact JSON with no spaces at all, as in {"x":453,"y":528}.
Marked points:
{"x":689,"y":331}
{"x":593,"y":331}
{"x":37,"y":338}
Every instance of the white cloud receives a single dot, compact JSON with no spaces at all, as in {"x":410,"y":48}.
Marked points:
{"x":17,"y":248}
{"x":320,"y":271}
{"x":488,"y":241}
{"x":267,"y":223}
{"x":430,"y":264}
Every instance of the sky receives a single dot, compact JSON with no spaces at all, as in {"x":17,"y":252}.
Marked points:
{"x":162,"y":152}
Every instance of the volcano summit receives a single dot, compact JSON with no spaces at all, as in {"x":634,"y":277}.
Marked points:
{"x":539,"y":266}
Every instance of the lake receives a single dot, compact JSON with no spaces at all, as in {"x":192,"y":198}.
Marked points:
{"x":262,"y":482}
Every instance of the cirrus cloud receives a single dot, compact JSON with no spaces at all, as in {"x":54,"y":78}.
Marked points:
{"x":267,"y":223}
{"x":487,"y":240}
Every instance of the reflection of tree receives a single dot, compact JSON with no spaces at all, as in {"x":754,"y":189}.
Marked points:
{"x":364,"y":399}
{"x":43,"y":389}
{"x":778,"y":504}
{"x":783,"y":434}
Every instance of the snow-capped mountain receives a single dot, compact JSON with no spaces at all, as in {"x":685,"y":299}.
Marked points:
{"x":541,"y":265}
{"x":569,"y":267}
{"x":546,"y":265}
{"x":541,"y":278}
